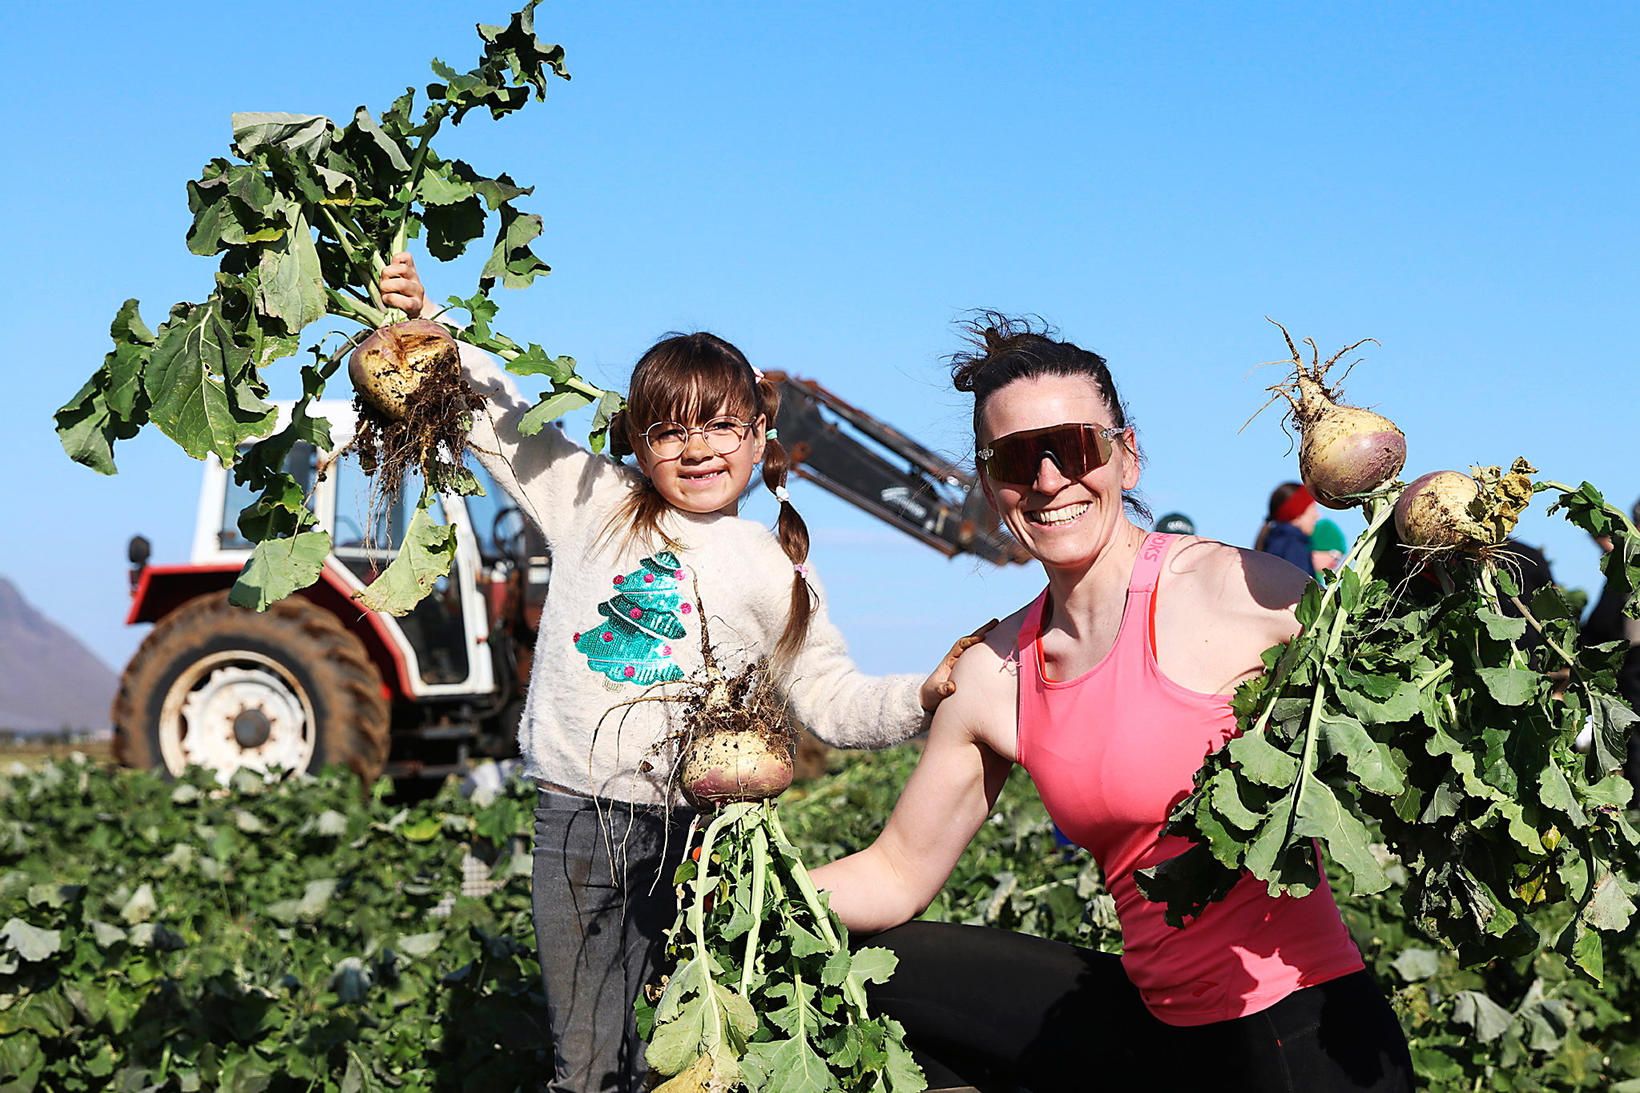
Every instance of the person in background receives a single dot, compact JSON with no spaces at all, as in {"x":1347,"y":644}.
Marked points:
{"x":1327,"y":545}
{"x":1287,"y":526}
{"x":1176,"y":523}
{"x":1606,"y":622}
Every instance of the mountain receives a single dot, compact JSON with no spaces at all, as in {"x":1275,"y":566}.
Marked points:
{"x":48,"y":679}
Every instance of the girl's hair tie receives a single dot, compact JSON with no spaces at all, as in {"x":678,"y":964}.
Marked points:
{"x":756,"y":371}
{"x":802,"y":570}
{"x":781,"y":495}
{"x":771,"y":434}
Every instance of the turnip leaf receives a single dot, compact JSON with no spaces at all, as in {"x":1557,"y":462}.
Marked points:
{"x":424,"y":555}
{"x":187,"y":379}
{"x":278,"y":567}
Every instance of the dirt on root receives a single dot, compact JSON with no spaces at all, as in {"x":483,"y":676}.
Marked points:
{"x":431,"y":437}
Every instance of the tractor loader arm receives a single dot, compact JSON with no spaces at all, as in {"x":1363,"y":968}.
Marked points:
{"x":879,"y":469}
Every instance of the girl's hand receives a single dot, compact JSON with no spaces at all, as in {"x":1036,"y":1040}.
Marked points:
{"x":938,"y":686}
{"x":401,"y":286}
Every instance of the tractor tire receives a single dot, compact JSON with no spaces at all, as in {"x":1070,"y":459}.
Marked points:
{"x":224,"y":687}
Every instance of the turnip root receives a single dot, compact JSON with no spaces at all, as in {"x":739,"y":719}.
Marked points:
{"x":750,"y":764}
{"x":415,"y":407}
{"x":1345,"y":452}
{"x":391,"y":366}
{"x":1449,"y":510}
{"x":1433,"y":512}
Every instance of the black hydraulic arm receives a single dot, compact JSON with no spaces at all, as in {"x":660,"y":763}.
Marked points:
{"x":874,"y":466}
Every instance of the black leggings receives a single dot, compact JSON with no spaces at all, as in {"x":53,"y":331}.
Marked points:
{"x":1005,"y":1011}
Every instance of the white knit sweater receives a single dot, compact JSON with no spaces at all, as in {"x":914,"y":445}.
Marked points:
{"x":621,"y":617}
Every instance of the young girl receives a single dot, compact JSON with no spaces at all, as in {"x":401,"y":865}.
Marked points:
{"x":630,"y":550}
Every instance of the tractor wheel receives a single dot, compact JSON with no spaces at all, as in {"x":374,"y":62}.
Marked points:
{"x":223,"y":687}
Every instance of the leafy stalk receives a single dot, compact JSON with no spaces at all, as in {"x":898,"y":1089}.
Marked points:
{"x":298,"y":216}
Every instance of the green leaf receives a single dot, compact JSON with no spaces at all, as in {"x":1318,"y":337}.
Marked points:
{"x":193,"y":366}
{"x":450,"y":227}
{"x":306,"y":135}
{"x":511,"y":259}
{"x":1479,"y":1012}
{"x":1401,"y":706}
{"x":1609,"y":908}
{"x":112,"y":405}
{"x":1509,"y":686}
{"x":278,"y":567}
{"x":1556,"y":792}
{"x":424,"y":556}
{"x":30,"y":942}
{"x":1368,"y":760}
{"x":1321,"y":816}
{"x":1612,"y":721}
{"x":787,"y":1066}
{"x":1415,"y":964}
{"x":874,"y":965}
{"x":1501,"y":627}
{"x":291,"y":287}
{"x":1262,"y":762}
{"x":549,"y":409}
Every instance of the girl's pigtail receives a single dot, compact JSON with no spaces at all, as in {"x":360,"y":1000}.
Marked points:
{"x":620,"y":444}
{"x":789,"y":528}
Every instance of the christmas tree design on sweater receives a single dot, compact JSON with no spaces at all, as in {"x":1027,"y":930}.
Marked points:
{"x":642,"y":619}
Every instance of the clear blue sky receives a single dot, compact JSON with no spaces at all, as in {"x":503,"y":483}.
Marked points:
{"x":829,"y":185}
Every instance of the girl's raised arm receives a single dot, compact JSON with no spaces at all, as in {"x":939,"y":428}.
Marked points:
{"x":546,"y":474}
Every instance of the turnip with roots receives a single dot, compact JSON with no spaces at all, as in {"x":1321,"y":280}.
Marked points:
{"x":760,"y":990}
{"x":1424,"y":716}
{"x":304,"y":214}
{"x":1345,"y":453}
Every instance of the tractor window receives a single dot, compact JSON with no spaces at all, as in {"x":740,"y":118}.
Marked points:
{"x":365,"y":538}
{"x":501,"y":529}
{"x":299,"y":464}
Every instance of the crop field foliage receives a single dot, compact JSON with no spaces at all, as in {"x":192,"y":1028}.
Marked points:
{"x":300,"y":935}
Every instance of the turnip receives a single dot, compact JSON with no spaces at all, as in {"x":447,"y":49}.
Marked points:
{"x":1433,"y":512}
{"x":760,"y":990}
{"x":1428,"y":724}
{"x":305,"y":212}
{"x":390,"y":367}
{"x":1345,"y":453}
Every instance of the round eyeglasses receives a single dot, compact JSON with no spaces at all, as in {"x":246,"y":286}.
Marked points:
{"x":724,"y":435}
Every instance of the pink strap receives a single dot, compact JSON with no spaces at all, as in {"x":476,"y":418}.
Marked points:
{"x":1148,"y":566}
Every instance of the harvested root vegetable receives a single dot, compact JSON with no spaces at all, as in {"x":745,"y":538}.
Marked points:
{"x":750,"y":764}
{"x":1449,"y":510}
{"x":1432,"y":513}
{"x":415,"y":408}
{"x":389,"y":368}
{"x":1429,"y":726}
{"x":1345,"y":453}
{"x":760,"y":990}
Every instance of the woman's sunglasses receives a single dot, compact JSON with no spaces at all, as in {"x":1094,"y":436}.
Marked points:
{"x":1075,"y":448}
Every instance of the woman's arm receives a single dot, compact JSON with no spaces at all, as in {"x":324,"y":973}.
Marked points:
{"x":946,"y":799}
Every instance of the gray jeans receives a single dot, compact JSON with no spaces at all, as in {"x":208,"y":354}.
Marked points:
{"x":599,"y":915}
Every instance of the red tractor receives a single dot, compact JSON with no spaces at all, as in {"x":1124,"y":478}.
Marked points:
{"x":316,"y":680}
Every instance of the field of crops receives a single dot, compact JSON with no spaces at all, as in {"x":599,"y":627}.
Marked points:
{"x":298,"y":936}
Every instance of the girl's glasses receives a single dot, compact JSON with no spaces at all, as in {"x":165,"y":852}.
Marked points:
{"x":668,"y":439}
{"x":1076,"y":448}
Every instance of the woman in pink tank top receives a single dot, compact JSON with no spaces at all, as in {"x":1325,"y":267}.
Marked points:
{"x":1110,"y":688}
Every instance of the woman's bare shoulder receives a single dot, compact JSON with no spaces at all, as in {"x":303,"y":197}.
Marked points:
{"x":987,"y":679}
{"x":1236,"y":583}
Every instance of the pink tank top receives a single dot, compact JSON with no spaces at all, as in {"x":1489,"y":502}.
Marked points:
{"x":1111,"y":752}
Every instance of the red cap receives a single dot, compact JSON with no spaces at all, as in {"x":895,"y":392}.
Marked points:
{"x":1292,"y":508}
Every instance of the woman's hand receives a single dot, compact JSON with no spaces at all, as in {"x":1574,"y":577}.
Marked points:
{"x":938,"y":686}
{"x":401,"y":286}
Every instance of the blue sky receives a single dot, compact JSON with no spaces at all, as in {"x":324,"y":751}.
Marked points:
{"x":829,"y":186}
